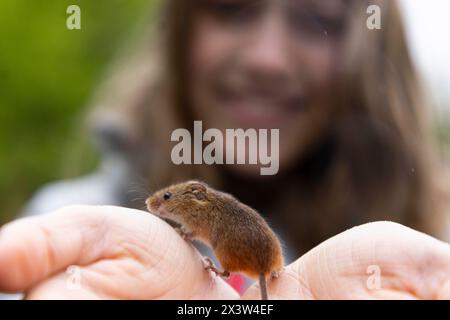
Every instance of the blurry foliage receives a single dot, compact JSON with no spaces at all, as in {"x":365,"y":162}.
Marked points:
{"x":47,"y":74}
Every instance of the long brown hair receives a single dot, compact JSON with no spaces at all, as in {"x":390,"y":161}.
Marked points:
{"x":375,"y":161}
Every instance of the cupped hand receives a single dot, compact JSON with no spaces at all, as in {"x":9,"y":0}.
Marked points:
{"x":90,"y":252}
{"x":379,"y":260}
{"x":116,"y":253}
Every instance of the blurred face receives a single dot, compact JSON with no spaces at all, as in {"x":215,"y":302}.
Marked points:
{"x":266,"y":64}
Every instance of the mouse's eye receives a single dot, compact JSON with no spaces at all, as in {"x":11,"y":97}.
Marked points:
{"x":167,"y":195}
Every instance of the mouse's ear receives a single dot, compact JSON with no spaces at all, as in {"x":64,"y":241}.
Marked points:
{"x":199,"y":190}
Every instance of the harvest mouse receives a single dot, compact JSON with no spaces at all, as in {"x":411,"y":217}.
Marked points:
{"x":240,"y":237}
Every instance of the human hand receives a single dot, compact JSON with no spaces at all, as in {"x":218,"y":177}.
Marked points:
{"x":124,"y":253}
{"x":410,"y":265}
{"x":119,"y":253}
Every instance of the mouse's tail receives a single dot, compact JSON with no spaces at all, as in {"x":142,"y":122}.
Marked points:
{"x":263,"y":286}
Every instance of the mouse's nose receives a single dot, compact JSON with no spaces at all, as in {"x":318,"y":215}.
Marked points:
{"x":152,"y":203}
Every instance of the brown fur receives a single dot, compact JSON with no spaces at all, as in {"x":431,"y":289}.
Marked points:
{"x":241,"y":238}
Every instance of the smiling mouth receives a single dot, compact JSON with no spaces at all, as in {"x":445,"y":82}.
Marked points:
{"x":257,"y":108}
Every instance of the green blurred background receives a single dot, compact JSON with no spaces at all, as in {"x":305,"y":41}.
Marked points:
{"x":47,"y":75}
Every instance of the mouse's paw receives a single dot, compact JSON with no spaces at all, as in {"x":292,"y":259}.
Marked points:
{"x":209,"y":265}
{"x":184,"y":233}
{"x":275,"y":274}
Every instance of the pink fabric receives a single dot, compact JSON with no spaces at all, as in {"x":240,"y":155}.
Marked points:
{"x":237,"y":282}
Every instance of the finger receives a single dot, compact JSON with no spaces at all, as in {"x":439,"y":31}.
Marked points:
{"x":121,"y":253}
{"x":32,"y":249}
{"x":289,"y":285}
{"x":60,"y":287}
{"x":444,"y":291}
{"x":408,"y":264}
